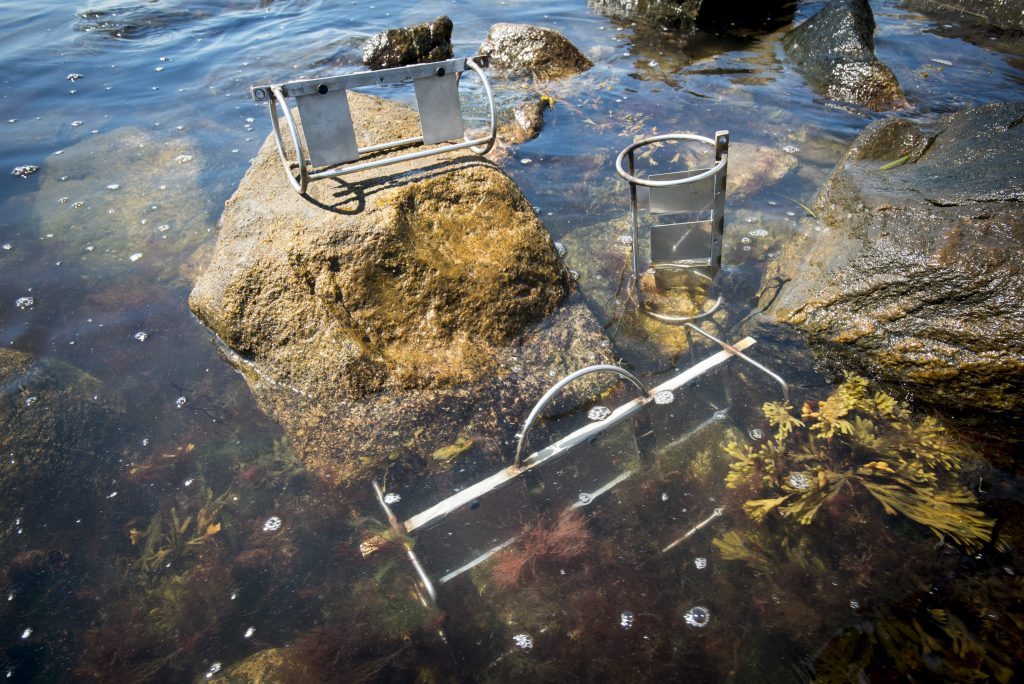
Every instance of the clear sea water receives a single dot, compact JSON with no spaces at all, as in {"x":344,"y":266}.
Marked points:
{"x":139,"y":119}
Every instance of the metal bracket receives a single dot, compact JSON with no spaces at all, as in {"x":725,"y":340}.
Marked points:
{"x":328,"y":137}
{"x":693,"y":245}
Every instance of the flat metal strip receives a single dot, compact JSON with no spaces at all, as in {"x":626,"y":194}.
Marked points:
{"x":681,"y":242}
{"x":361,"y":79}
{"x":437,"y":98}
{"x":475,"y":562}
{"x":687,"y":196}
{"x":506,"y":475}
{"x":327,"y":127}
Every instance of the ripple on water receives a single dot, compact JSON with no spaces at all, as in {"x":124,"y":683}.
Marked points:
{"x":698,"y":617}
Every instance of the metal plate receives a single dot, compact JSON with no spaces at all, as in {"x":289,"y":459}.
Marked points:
{"x":327,"y":127}
{"x":437,"y":98}
{"x":695,"y":196}
{"x":689,"y":243}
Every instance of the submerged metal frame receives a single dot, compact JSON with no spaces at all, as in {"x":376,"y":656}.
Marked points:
{"x":678,"y":180}
{"x":505,"y":476}
{"x":428,"y":96}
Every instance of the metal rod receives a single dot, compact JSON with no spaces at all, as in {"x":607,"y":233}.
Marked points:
{"x":397,"y":527}
{"x":303,"y":179}
{"x":589,"y":497}
{"x":667,"y":183}
{"x":734,"y":350}
{"x":635,"y":224}
{"x":476,"y":561}
{"x":694,"y":530}
{"x":395,"y":160}
{"x":554,"y":389}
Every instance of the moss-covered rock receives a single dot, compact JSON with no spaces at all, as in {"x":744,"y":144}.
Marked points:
{"x":524,"y":50}
{"x":430,"y":41}
{"x":393,"y":310}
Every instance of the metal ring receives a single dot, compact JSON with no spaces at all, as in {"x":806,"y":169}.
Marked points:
{"x":668,"y":318}
{"x":484,"y":149}
{"x":667,"y":184}
{"x":302,"y":181}
{"x":554,"y":389}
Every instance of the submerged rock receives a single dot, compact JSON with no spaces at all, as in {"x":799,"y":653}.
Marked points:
{"x":524,"y":121}
{"x":394,"y":311}
{"x":427,"y":42}
{"x":691,"y":13}
{"x":57,"y":442}
{"x":835,"y":51}
{"x":524,"y":50}
{"x":917,"y":273}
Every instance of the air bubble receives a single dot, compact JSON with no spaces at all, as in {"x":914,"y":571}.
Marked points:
{"x":626,"y":619}
{"x":626,"y":240}
{"x":273,"y":524}
{"x":392,"y":498}
{"x":701,"y":563}
{"x":31,"y":400}
{"x":181,"y":402}
{"x":756,"y":433}
{"x":73,"y":77}
{"x":27,"y":633}
{"x":799,"y":481}
{"x":135,"y":257}
{"x":182,"y":159}
{"x":24,"y":302}
{"x":664,"y":397}
{"x":791,"y":149}
{"x":249,"y":632}
{"x":599,"y":413}
{"x":523,"y":641}
{"x":560,"y":248}
{"x":24,"y":171}
{"x":698,"y":617}
{"x":141,"y":336}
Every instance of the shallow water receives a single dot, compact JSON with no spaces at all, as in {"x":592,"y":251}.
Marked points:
{"x":138,"y":117}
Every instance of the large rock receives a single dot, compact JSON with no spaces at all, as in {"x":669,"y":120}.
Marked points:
{"x":666,"y":12}
{"x":918,"y":272}
{"x":524,"y":50}
{"x":835,"y":51}
{"x":400,"y":310}
{"x":1006,"y":15}
{"x":58,"y":442}
{"x":427,"y":42}
{"x":763,"y":14}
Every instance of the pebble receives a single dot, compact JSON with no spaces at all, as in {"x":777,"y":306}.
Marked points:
{"x":561,"y":250}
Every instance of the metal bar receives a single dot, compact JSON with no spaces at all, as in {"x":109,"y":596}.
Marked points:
{"x":694,"y":530}
{"x":666,"y":184}
{"x":587,"y":498}
{"x":395,"y":525}
{"x":738,"y":352}
{"x":508,"y":474}
{"x":718,"y":228}
{"x":395,"y":160}
{"x":635,"y":246}
{"x":554,"y":389}
{"x":360,"y":79}
{"x":475,"y":562}
{"x":302,"y":181}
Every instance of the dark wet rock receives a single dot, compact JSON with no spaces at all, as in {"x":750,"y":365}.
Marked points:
{"x":398,"y":311}
{"x":427,"y":42}
{"x":263,"y":667}
{"x":58,"y":441}
{"x":1005,"y":15}
{"x":917,"y":275}
{"x":524,"y":50}
{"x":665,"y":12}
{"x":835,"y":51}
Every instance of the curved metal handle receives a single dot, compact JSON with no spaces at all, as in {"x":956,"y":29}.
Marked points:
{"x":554,"y":389}
{"x":669,"y":183}
{"x":493,"y":132}
{"x":302,"y":181}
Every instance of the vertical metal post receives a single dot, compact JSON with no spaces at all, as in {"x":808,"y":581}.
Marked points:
{"x":634,"y":215}
{"x":718,"y":225}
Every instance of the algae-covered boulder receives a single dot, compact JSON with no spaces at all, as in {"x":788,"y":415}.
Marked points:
{"x":524,"y":50}
{"x":666,"y":12}
{"x":1005,"y":15}
{"x":917,"y":273}
{"x":398,"y":310}
{"x":427,"y":42}
{"x":835,"y":51}
{"x":58,"y":441}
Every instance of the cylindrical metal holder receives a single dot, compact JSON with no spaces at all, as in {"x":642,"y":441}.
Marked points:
{"x":693,"y":243}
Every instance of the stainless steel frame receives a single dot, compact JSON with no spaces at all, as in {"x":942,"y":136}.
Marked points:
{"x":692,"y":191}
{"x":330,"y":130}
{"x":470,"y":496}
